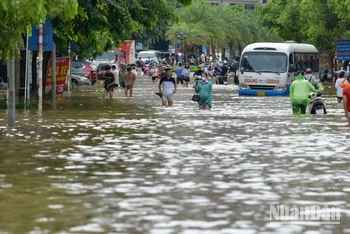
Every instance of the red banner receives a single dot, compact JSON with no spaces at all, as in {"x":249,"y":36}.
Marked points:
{"x":61,"y":75}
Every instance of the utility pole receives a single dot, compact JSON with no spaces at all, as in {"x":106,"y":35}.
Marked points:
{"x":27,"y":85}
{"x":11,"y":103}
{"x":69,"y":70}
{"x":53,"y":82}
{"x":40,"y":69}
{"x":182,"y":37}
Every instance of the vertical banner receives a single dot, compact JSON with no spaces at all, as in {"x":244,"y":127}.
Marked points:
{"x":62,"y":65}
{"x":126,"y":52}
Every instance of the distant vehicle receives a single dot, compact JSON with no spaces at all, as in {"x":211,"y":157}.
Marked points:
{"x":144,"y":55}
{"x":102,"y":68}
{"x":91,"y":75}
{"x":268,"y":69}
{"x":106,"y":57}
{"x":86,"y":68}
{"x":126,"y":53}
{"x":82,"y":65}
{"x":79,"y":80}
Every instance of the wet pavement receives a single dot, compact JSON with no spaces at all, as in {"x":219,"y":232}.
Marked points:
{"x":128,"y":165}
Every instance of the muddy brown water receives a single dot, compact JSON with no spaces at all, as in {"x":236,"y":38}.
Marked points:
{"x":128,"y":165}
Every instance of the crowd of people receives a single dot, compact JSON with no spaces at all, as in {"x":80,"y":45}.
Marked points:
{"x":125,"y":78}
{"x":299,"y":90}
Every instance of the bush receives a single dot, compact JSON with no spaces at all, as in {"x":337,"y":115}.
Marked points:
{"x":193,"y":68}
{"x":20,"y":105}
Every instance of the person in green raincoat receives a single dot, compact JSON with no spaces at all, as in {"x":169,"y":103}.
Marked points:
{"x":299,"y":94}
{"x":205,"y":90}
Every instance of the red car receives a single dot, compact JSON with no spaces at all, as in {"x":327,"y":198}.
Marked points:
{"x":88,"y":70}
{"x":101,"y":70}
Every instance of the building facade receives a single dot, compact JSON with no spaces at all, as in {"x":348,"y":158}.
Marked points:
{"x":249,"y":4}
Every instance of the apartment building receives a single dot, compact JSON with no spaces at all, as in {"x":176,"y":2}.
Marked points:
{"x":249,"y":4}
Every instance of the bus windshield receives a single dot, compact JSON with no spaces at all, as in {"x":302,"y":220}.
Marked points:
{"x":264,"y":62}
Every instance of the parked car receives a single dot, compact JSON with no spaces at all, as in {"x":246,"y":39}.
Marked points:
{"x":101,"y":70}
{"x":91,"y":75}
{"x":80,"y":80}
{"x":86,"y":67}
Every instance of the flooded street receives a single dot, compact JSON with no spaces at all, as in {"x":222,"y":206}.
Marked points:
{"x":130,"y":166}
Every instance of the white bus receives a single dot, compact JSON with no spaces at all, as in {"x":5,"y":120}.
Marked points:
{"x":268,"y":69}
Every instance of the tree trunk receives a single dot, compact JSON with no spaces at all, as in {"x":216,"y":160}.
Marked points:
{"x":17,"y":78}
{"x":213,"y":51}
{"x":46,"y":59}
{"x":231,"y":50}
{"x":34,"y":91}
{"x":21,"y":90}
{"x":3,"y":72}
{"x":223,"y":55}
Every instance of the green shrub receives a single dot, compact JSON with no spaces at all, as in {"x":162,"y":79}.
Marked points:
{"x":193,"y":68}
{"x":20,"y":105}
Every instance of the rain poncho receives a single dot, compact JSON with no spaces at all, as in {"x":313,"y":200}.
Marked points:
{"x":320,"y":87}
{"x":205,"y":92}
{"x":300,"y":91}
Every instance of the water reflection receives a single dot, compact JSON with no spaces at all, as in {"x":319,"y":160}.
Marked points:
{"x":131,"y":166}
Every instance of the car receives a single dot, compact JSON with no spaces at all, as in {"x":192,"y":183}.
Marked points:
{"x":106,"y":57}
{"x":144,"y":55}
{"x":79,"y":80}
{"x":101,"y":70}
{"x":91,"y":75}
{"x":87,"y":68}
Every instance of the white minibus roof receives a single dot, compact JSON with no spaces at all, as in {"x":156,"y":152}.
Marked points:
{"x":281,"y":47}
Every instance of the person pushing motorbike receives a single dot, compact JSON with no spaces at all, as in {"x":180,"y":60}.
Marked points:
{"x":299,"y":94}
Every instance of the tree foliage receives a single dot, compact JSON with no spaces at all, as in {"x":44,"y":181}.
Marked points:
{"x":102,"y":24}
{"x":318,"y":22}
{"x":230,"y":27}
{"x":18,"y":16}
{"x":94,"y":26}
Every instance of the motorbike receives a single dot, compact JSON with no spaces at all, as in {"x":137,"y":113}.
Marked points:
{"x":316,"y":105}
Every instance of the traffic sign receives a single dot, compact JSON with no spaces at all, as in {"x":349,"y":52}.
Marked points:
{"x":343,"y":49}
{"x":47,"y":37}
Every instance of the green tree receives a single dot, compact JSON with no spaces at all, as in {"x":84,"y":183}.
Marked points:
{"x":18,"y":16}
{"x":100,"y":25}
{"x":227,"y":28}
{"x":283,"y":17}
{"x":318,"y":22}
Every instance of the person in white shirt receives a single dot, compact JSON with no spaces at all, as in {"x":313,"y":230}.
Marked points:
{"x":311,"y":78}
{"x":167,"y":87}
{"x":340,"y":80}
{"x":155,"y":59}
{"x":116,"y":77}
{"x":203,"y":58}
{"x":154,"y":73}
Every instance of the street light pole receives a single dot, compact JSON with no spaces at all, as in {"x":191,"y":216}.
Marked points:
{"x":182,"y":37}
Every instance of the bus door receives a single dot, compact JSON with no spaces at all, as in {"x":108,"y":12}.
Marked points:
{"x":291,"y":68}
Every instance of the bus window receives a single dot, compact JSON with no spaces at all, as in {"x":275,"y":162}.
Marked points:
{"x":291,"y":60}
{"x":306,"y":60}
{"x":315,"y":61}
{"x":297,"y":62}
{"x":264,"y":62}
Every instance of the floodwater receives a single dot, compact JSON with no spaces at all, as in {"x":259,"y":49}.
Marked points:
{"x":130,"y":166}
